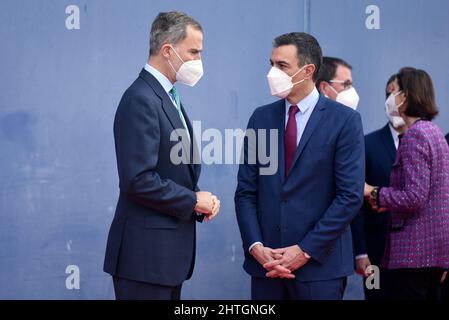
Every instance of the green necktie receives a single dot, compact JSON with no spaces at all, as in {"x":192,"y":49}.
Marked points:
{"x":175,"y":97}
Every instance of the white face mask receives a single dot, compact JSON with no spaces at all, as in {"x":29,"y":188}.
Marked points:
{"x":396,"y":122}
{"x":190,"y":72}
{"x":390,"y":105}
{"x":348,"y":97}
{"x":281,"y":83}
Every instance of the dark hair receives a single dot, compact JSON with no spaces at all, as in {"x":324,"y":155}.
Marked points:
{"x":329,"y":69}
{"x":417,"y":86}
{"x":390,"y":80}
{"x":170,"y":27}
{"x":307,"y":47}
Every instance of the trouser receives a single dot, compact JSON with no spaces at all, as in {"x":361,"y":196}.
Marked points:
{"x":416,"y":284}
{"x":292,"y":289}
{"x":135,"y":290}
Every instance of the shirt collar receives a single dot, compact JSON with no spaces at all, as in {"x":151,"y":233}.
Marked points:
{"x":305,"y":104}
{"x":162,"y":79}
{"x":394,"y":134}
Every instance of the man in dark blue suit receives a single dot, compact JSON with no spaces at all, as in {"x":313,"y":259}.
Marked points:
{"x":295,"y":223}
{"x":151,"y":243}
{"x":369,"y":228}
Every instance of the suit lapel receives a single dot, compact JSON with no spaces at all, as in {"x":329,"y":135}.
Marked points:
{"x":167,"y":105}
{"x":312,"y":124}
{"x":169,"y":109}
{"x":280,"y":116}
{"x":193,"y":151}
{"x":388,"y":142}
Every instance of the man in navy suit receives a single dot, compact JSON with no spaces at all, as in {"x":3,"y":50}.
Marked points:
{"x":335,"y":82}
{"x":295,"y":223}
{"x":369,"y":228}
{"x":151,"y":243}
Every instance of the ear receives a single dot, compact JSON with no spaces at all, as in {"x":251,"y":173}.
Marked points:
{"x":165,"y":50}
{"x":404,"y":97}
{"x":404,"y":94}
{"x":310,"y":70}
{"x":404,"y":103}
{"x":323,"y":87}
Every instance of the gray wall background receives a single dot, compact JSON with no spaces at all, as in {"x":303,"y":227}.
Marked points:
{"x":59,"y":89}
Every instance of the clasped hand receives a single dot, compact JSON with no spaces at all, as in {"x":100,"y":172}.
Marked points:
{"x":280,"y":263}
{"x":208,"y":204}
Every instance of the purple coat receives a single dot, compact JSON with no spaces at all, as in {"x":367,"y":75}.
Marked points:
{"x":418,"y":199}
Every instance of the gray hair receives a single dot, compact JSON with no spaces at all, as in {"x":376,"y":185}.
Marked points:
{"x":170,"y":27}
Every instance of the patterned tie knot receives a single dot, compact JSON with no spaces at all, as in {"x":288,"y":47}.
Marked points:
{"x":173,"y":91}
{"x":175,"y":96}
{"x":293,"y":110}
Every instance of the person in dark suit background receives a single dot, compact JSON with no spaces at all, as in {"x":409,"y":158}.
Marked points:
{"x":151,"y":244}
{"x":335,"y":82}
{"x":295,"y":223}
{"x":369,"y":229}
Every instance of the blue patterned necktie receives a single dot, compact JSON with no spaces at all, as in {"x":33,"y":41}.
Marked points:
{"x":175,"y":97}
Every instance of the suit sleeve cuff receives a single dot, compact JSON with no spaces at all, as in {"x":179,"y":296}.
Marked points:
{"x":253,"y":245}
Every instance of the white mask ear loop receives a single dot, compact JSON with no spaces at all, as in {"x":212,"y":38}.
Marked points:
{"x":173,"y":68}
{"x":296,"y":74}
{"x":177,"y":54}
{"x":398,"y":93}
{"x":330,"y":86}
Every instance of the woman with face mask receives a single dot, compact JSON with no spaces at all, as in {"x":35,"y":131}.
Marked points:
{"x":416,"y":252}
{"x":369,"y":229}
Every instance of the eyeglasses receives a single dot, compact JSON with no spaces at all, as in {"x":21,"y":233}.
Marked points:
{"x":346,"y":84}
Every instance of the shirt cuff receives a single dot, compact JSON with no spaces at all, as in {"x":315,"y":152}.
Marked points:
{"x":361,"y":256}
{"x":251,"y":246}
{"x":307,"y":255}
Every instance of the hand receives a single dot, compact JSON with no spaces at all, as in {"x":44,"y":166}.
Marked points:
{"x":215,"y":209}
{"x":264,"y":255}
{"x":373,"y":202}
{"x":367,"y":191}
{"x":375,"y":206}
{"x":378,"y":209}
{"x":291,"y":258}
{"x":443,"y":277}
{"x":204,"y":202}
{"x":362,"y":265}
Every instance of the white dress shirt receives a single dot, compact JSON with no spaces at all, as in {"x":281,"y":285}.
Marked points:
{"x":395,"y":136}
{"x":162,"y":79}
{"x":306,"y":107}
